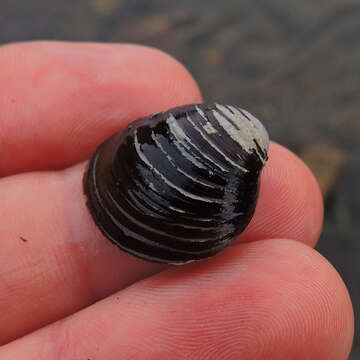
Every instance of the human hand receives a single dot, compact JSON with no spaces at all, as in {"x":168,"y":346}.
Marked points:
{"x":269,"y":296}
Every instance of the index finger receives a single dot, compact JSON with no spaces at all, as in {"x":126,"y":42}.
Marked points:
{"x":63,"y":99}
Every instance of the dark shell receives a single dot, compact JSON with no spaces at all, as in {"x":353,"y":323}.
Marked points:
{"x":179,"y":185}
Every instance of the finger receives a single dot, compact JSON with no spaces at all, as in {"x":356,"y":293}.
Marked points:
{"x":66,"y":98}
{"x":63,"y":242}
{"x":273,"y":299}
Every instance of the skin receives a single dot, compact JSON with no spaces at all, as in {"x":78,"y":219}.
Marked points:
{"x":67,"y":293}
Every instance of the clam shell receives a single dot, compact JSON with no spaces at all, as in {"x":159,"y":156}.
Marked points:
{"x":179,"y":185}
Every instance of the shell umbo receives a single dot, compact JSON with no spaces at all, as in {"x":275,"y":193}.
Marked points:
{"x":179,"y":185}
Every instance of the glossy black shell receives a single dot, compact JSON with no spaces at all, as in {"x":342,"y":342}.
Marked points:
{"x":179,"y":185}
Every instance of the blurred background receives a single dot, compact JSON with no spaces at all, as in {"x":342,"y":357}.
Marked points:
{"x":294,"y":64}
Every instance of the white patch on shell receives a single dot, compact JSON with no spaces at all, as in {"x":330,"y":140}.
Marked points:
{"x":260,"y":133}
{"x":248,"y":129}
{"x":209,"y":128}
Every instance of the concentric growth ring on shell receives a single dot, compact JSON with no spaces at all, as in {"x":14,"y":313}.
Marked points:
{"x":179,"y":185}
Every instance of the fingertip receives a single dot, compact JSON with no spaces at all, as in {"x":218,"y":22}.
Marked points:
{"x":311,"y":305}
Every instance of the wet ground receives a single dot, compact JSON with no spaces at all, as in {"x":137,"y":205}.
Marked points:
{"x":294,"y":64}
